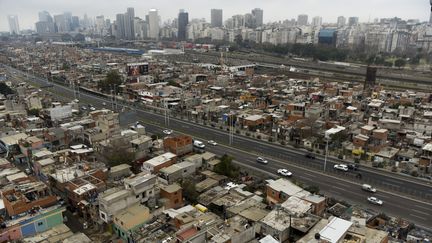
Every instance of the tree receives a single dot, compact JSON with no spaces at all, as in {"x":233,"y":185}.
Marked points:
{"x":238,"y":39}
{"x":173,"y":83}
{"x":117,"y":157}
{"x":33,"y":112}
{"x":189,"y":190}
{"x":400,"y":62}
{"x":112,"y":80}
{"x":79,"y":37}
{"x":226,"y":167}
{"x":313,"y":189}
{"x":66,"y":37}
{"x":5,"y":90}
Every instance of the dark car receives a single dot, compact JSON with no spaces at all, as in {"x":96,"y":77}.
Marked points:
{"x":353,"y":166}
{"x":310,"y":156}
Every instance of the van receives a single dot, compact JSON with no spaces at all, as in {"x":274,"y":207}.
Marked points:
{"x":198,"y":144}
{"x":368,"y":188}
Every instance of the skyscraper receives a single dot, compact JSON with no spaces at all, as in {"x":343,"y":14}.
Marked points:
{"x":258,"y":14}
{"x":61,"y":23}
{"x":341,"y":20}
{"x":45,"y":27}
{"x":100,"y":24}
{"x":44,"y":16}
{"x":120,"y":31}
{"x":317,"y":21}
{"x":75,"y":23}
{"x":183,"y":20}
{"x":353,"y":21}
{"x":302,"y":19}
{"x":13,"y":24}
{"x":153,"y":20}
{"x":129,"y":28}
{"x":216,"y":17}
{"x":430,"y":19}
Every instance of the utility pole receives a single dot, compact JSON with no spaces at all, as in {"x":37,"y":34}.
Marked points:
{"x":326,"y":154}
{"x":112,"y":100}
{"x":231,"y":128}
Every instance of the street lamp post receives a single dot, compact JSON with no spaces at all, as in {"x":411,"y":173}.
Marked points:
{"x":326,"y":154}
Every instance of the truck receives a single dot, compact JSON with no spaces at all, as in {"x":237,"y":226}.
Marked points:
{"x":368,"y":188}
{"x":198,"y":144}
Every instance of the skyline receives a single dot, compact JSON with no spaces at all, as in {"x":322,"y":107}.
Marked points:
{"x":329,"y":10}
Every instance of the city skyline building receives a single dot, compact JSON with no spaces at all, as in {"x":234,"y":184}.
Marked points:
{"x":216,"y":17}
{"x":258,"y":15}
{"x":45,"y":16}
{"x":183,"y":21}
{"x":153,"y":20}
{"x":129,"y":28}
{"x":430,"y":18}
{"x":13,"y":24}
{"x":317,"y":21}
{"x":62,"y":25}
{"x":302,"y":19}
{"x":120,"y":31}
{"x":341,"y":21}
{"x":352,"y":21}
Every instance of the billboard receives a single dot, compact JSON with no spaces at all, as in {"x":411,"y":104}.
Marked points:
{"x":137,"y":69}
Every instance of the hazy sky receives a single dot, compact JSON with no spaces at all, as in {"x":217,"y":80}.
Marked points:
{"x":27,"y":10}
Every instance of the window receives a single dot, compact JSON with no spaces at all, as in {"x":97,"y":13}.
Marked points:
{"x":40,"y":223}
{"x":176,"y":201}
{"x":137,"y":196}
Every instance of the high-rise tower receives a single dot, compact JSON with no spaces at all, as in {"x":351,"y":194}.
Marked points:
{"x":153,"y":20}
{"x":183,"y":21}
{"x":13,"y":24}
{"x":216,"y":17}
{"x":258,"y":15}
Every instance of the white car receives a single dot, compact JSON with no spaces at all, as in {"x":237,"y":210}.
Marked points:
{"x":103,"y":103}
{"x":262,"y":160}
{"x":92,"y":108}
{"x":83,"y":108}
{"x":341,"y":167}
{"x":211,"y":142}
{"x":369,"y":188}
{"x":284,"y":172}
{"x":167,"y":131}
{"x":76,"y":100}
{"x":375,"y":201}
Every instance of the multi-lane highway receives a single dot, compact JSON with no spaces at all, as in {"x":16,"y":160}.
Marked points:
{"x":404,"y":197}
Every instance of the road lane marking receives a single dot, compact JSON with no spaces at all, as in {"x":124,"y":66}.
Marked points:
{"x":344,"y":185}
{"x":417,"y":206}
{"x":339,"y":188}
{"x":416,"y":216}
{"x":304,"y":178}
{"x":420,"y":212}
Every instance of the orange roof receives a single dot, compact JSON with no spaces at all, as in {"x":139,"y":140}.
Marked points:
{"x":187,"y":234}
